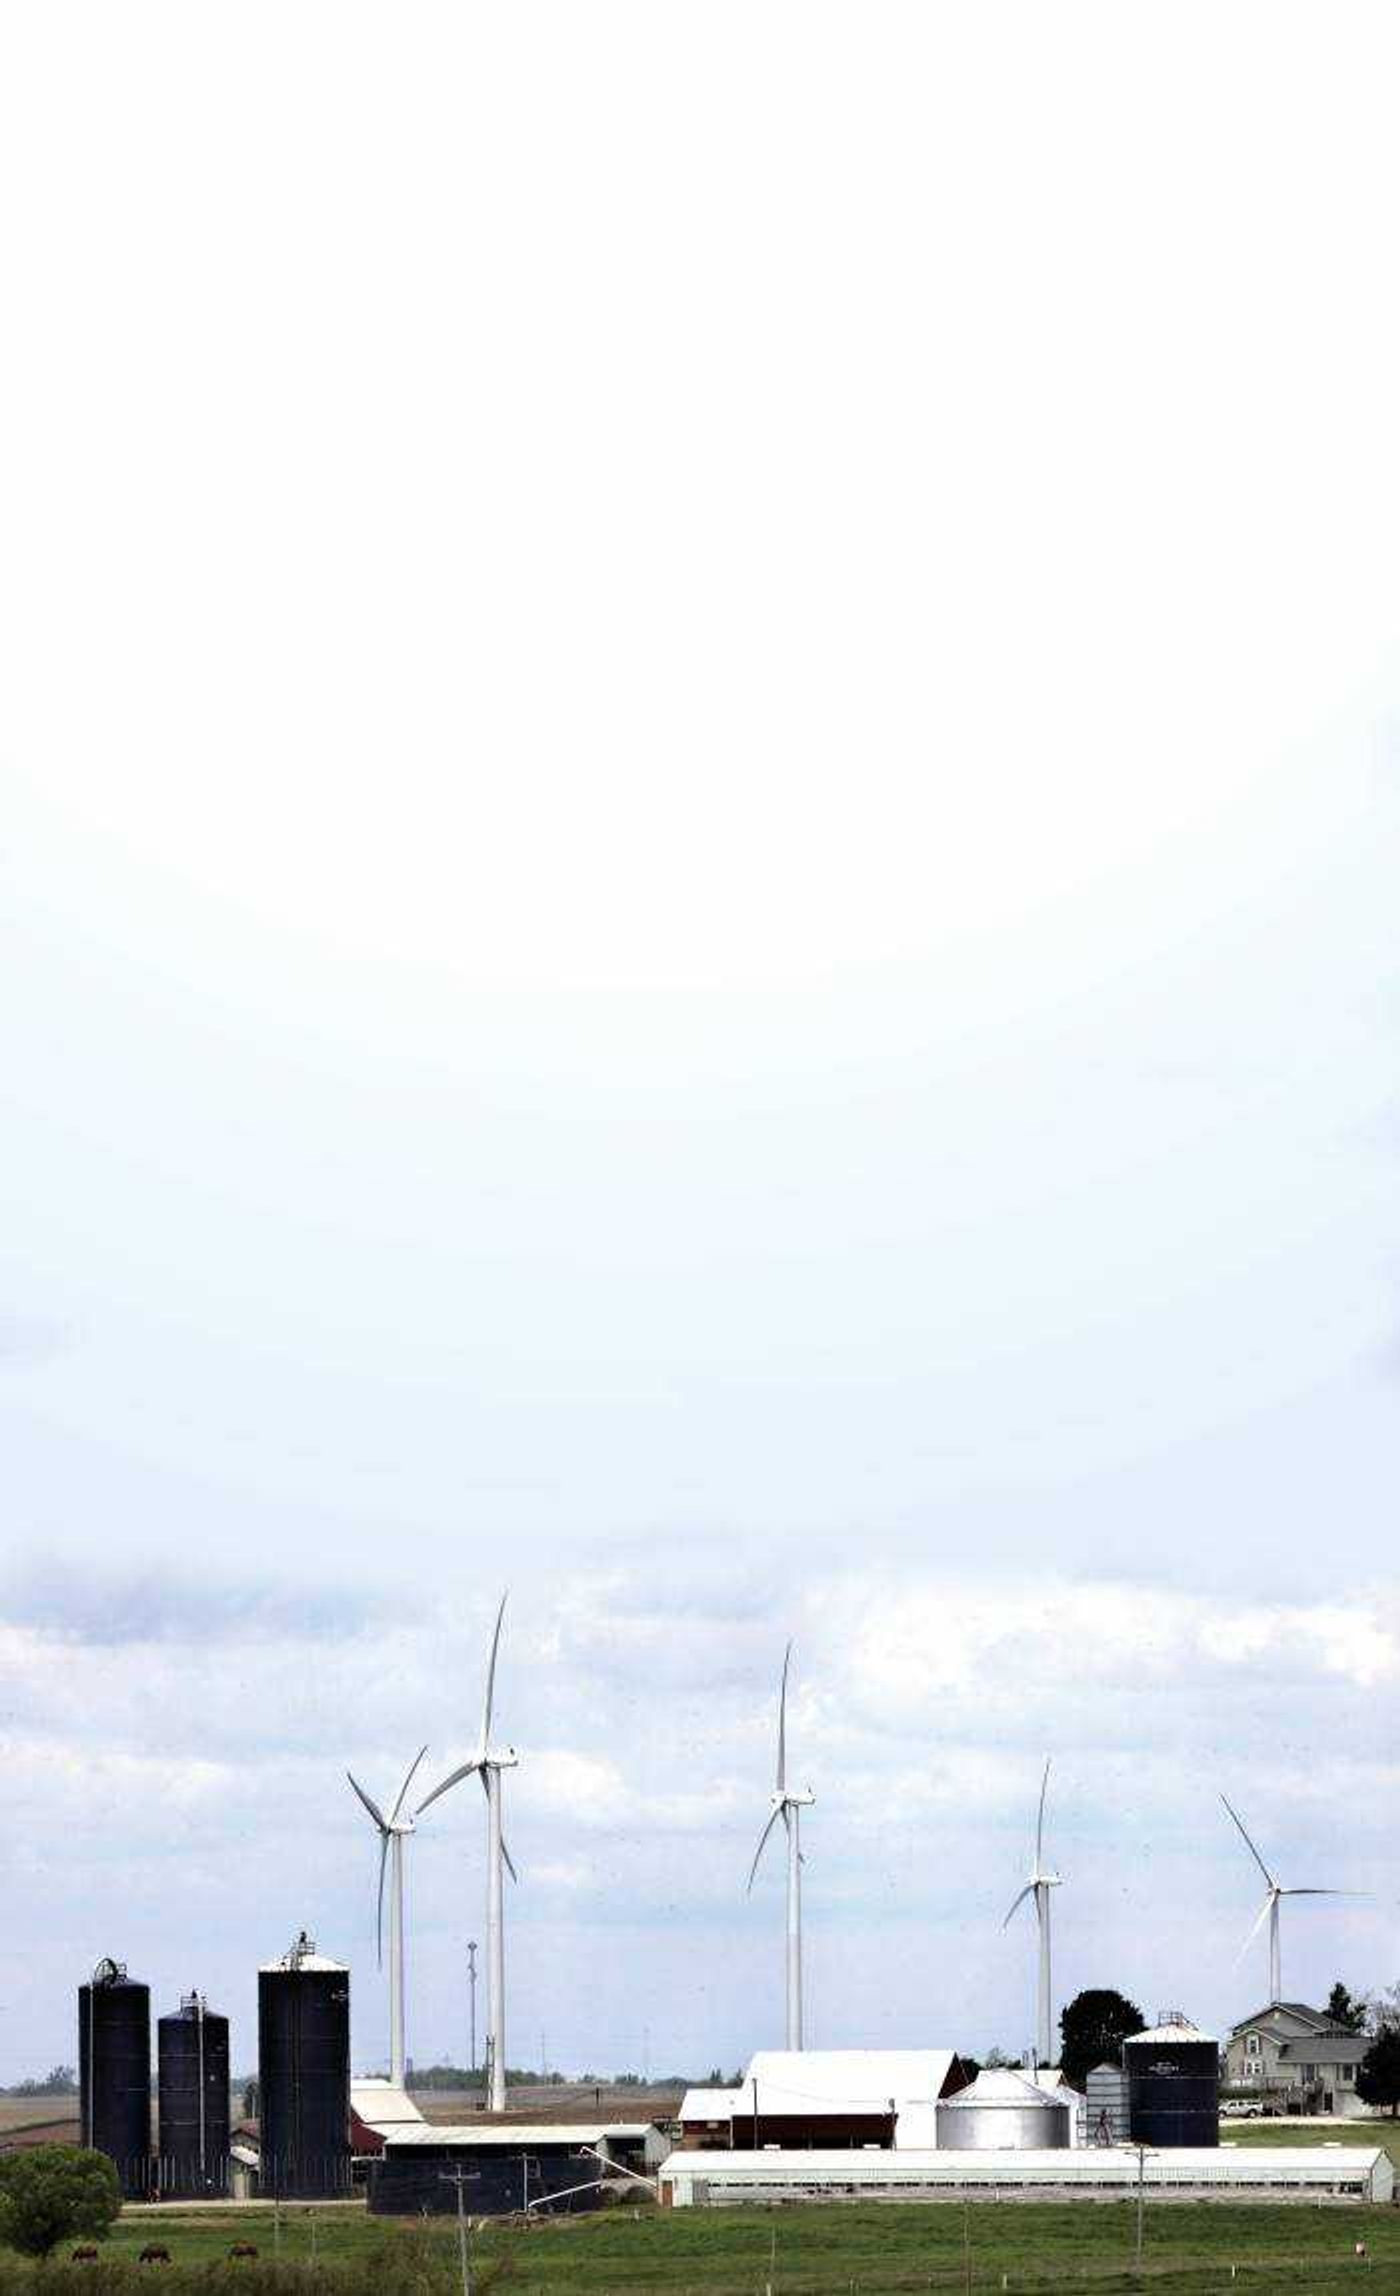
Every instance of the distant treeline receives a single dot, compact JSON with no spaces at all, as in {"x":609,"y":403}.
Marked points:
{"x":457,"y":2077}
{"x":61,"y":2082}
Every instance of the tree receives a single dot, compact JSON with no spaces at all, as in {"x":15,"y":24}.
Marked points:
{"x":1345,"y":2011}
{"x":1093,"y":2028}
{"x":54,"y":2191}
{"x":1378,"y":2074}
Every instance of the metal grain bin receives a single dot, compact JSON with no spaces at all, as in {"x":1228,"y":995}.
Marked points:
{"x":1002,"y":2111}
{"x":1106,"y":2106}
{"x":304,"y":2074}
{"x":192,"y":2059}
{"x":114,"y":2073}
{"x":1173,"y":2075}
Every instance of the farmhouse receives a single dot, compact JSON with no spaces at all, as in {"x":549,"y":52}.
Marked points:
{"x":1295,"y":2060}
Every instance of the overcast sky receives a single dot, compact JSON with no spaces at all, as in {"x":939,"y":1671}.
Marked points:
{"x":700,"y":746}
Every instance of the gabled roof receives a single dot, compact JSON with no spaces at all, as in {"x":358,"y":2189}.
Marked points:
{"x":816,"y":2081}
{"x":1312,"y":2020}
{"x":711,"y":2104}
{"x":1327,"y":2048}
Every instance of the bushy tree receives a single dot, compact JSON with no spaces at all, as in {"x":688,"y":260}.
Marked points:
{"x":53,"y":2192}
{"x":1378,"y":2074}
{"x":1345,"y":2010}
{"x":1093,"y":2028}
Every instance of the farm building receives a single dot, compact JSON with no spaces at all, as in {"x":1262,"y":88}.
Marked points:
{"x":691,"y":2179}
{"x":1293,"y":2059}
{"x":827,"y":2099}
{"x":511,"y":2165}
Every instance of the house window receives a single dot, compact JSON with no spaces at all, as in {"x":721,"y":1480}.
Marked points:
{"x":1251,"y":2044}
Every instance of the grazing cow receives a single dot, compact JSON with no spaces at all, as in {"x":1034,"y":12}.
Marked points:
{"x":153,"y":2253}
{"x":242,"y":2249}
{"x":86,"y":2255}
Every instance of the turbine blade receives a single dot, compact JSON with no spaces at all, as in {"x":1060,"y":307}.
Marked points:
{"x":1239,"y":1821}
{"x":762,"y":1842}
{"x":1322,"y":1893}
{"x":1259,"y":1920}
{"x":491,"y":1678}
{"x":373,"y":1807}
{"x":408,"y":1781}
{"x":455,"y":1778}
{"x":1040,"y":1816}
{"x":509,"y":1860}
{"x":782,"y":1722}
{"x":379,"y":1922}
{"x":1019,"y":1900}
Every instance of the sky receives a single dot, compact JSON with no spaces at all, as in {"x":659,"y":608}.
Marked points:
{"x":699,"y":808}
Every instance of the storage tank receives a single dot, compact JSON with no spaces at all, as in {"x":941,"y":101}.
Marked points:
{"x":1003,"y":2111}
{"x":192,"y":2060}
{"x":114,"y":2073}
{"x":1173,"y":2075}
{"x":1106,"y":2117}
{"x":304,"y":2074}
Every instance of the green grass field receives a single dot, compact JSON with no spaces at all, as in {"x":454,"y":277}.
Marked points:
{"x":836,"y":2250}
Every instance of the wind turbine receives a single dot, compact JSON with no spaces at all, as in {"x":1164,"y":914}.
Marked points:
{"x":488,"y":1762}
{"x":391,"y":1840}
{"x":788,"y":1806}
{"x":1039,"y":1887}
{"x":1269,"y":1910}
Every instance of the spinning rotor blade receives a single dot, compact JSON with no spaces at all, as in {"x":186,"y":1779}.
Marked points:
{"x":491,"y":1679}
{"x":1249,"y":1844}
{"x":408,"y":1781}
{"x":1028,"y":1891}
{"x":1040,"y":1817}
{"x":457,"y":1775}
{"x":778,"y":1812}
{"x":1259,"y":1920}
{"x":373,"y":1807}
{"x":782,"y":1723}
{"x":379,"y":1919}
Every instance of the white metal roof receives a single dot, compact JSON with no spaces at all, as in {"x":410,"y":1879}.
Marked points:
{"x":383,"y":2105}
{"x":1365,"y":2171}
{"x":1003,"y":2085}
{"x":505,"y":2134}
{"x":710,"y":2104}
{"x":842,"y":2080}
{"x":1177,"y":2031}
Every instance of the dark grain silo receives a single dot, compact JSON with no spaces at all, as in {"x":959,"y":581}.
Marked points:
{"x":114,"y":2073}
{"x":304,"y":2074}
{"x":1173,"y":2076}
{"x":192,"y":2060}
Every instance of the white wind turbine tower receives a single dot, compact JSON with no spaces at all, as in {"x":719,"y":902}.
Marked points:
{"x":392,"y":1831}
{"x":1269,"y":1910}
{"x":1039,"y":1887}
{"x":488,"y":1762}
{"x":788,"y":1806}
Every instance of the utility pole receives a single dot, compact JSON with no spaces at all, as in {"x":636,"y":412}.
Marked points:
{"x":1141,"y":2177}
{"x":462,"y":2178}
{"x":471,"y":1981}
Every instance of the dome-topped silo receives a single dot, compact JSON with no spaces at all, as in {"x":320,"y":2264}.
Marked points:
{"x":192,"y":2056}
{"x":304,"y":2073}
{"x":1003,"y":2111}
{"x":1173,"y":2076}
{"x":114,"y":2073}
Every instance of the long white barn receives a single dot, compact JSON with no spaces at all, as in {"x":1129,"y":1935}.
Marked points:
{"x":715,"y":2179}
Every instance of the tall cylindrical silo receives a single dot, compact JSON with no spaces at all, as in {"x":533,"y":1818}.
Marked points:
{"x":1173,"y":2076}
{"x":192,"y":2058}
{"x":304,"y":2074}
{"x":114,"y":2073}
